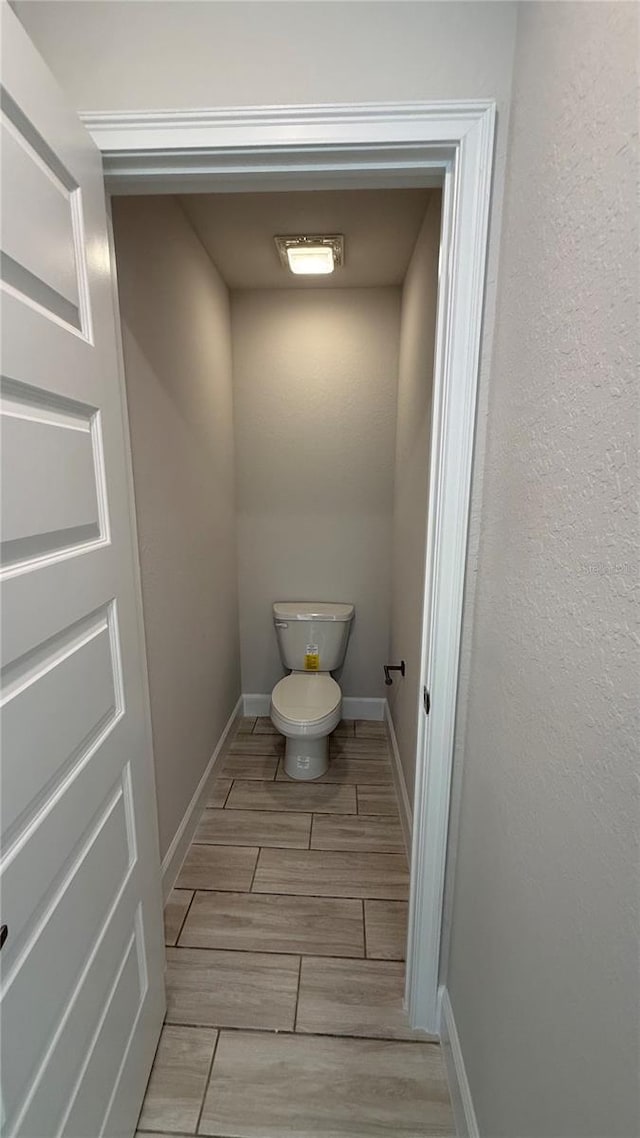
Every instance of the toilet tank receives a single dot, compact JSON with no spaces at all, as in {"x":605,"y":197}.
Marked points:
{"x":312,"y":637}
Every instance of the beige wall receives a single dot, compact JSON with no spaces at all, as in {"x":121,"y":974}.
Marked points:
{"x":130,"y":55}
{"x":411,"y":481}
{"x":176,"y":336}
{"x":315,"y":375}
{"x":543,"y":960}
{"x":125,"y":55}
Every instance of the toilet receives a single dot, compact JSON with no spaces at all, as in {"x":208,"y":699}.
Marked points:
{"x":306,"y":705}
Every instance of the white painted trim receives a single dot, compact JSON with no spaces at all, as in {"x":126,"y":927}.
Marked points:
{"x":352,"y":706}
{"x":311,"y":123}
{"x":251,"y":148}
{"x":463,"y":1112}
{"x":281,"y":148}
{"x":175,"y":855}
{"x":465,"y":218}
{"x":256,"y":704}
{"x":135,"y":546}
{"x":363,"y":708}
{"x":399,"y":781}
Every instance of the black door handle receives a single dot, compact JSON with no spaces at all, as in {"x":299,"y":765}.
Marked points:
{"x":4,"y":932}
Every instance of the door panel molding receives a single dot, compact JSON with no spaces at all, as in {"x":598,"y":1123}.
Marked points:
{"x":81,"y":986}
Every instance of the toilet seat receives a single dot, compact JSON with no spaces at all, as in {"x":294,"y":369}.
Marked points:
{"x":304,"y":703}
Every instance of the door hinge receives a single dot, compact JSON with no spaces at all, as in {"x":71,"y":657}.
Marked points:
{"x":426,"y":699}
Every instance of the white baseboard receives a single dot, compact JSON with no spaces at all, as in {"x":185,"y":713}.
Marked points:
{"x":402,"y":794}
{"x":175,"y":855}
{"x":461,"y":1101}
{"x":353,"y":707}
{"x":256,"y":704}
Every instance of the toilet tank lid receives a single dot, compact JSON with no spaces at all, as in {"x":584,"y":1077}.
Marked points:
{"x":312,"y":610}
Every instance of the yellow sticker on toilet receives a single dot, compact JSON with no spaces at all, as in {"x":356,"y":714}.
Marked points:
{"x":312,"y":658}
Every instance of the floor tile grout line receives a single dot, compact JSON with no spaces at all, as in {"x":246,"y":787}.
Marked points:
{"x":253,"y":876}
{"x":170,"y":1133}
{"x":396,"y":851}
{"x":295,"y":1014}
{"x":207,"y":1081}
{"x":429,"y":1041}
{"x":310,"y":896}
{"x":286,"y":893}
{"x":342,"y":760}
{"x":188,"y":910}
{"x":175,"y":1134}
{"x":322,"y":814}
{"x":231,"y":845}
{"x":311,"y":784}
{"x":262,"y":781}
{"x":247,"y":846}
{"x":285,"y":952}
{"x":295,"y":813}
{"x":233,"y":781}
{"x":364,"y":930}
{"x":282,"y":809}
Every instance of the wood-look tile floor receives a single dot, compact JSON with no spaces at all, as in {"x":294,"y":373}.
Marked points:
{"x":285,"y":958}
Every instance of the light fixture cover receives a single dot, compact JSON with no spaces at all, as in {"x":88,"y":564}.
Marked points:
{"x":310,"y":259}
{"x":307,"y":255}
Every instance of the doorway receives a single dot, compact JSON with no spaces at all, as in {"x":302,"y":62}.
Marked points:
{"x":402,"y":145}
{"x":332,"y":505}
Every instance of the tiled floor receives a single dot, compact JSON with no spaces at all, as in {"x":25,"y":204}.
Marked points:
{"x":285,"y":946}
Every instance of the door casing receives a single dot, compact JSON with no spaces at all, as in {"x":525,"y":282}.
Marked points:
{"x":357,"y":146}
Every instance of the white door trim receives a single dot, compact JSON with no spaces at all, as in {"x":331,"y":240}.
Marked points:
{"x":253,"y":148}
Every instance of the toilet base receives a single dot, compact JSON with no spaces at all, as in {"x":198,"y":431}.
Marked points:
{"x":305,"y":759}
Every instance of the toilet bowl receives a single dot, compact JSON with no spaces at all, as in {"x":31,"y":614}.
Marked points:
{"x":306,"y":705}
{"x":306,"y":708}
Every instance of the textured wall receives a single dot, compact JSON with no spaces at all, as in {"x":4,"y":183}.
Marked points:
{"x":315,"y":378}
{"x":411,"y":480}
{"x":543,"y":962}
{"x":177,"y":349}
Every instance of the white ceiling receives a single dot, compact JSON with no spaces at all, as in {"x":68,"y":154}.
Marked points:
{"x":380,"y":228}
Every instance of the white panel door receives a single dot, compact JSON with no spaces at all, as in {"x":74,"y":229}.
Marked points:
{"x":81,"y":969}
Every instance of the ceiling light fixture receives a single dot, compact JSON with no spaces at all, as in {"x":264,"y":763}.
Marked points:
{"x":311,"y":256}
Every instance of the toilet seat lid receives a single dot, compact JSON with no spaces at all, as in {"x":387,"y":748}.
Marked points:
{"x":306,"y":698}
